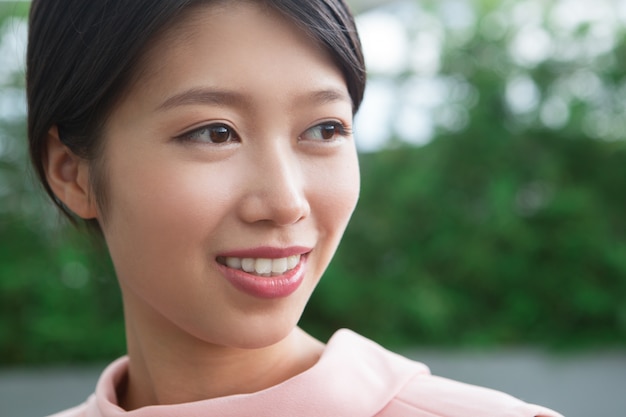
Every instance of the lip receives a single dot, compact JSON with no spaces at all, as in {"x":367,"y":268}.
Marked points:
{"x":273,"y":287}
{"x":269,"y":252}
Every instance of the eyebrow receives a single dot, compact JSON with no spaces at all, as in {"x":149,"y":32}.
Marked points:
{"x":330,"y":95}
{"x":203,"y":96}
{"x":216,"y":97}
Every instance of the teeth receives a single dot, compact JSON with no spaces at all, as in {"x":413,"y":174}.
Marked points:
{"x":263,"y":266}
{"x":248,"y":264}
{"x":234,"y":263}
{"x":292,"y":261}
{"x":279,"y":265}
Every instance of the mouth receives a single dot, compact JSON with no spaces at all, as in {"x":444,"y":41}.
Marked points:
{"x":265,"y":272}
{"x":262,"y":267}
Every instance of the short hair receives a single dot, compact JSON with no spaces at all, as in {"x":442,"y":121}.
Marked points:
{"x":83,"y":54}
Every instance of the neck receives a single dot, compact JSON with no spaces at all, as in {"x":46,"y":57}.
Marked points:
{"x":165,"y":372}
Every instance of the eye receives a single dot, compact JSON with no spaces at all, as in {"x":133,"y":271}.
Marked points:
{"x":326,"y":131}
{"x":215,"y":133}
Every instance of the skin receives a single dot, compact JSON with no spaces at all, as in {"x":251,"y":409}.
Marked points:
{"x":176,"y":201}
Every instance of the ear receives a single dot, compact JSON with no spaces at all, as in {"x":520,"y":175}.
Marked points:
{"x":68,"y":176}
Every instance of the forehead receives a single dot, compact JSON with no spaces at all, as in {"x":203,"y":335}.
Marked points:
{"x":232,"y":42}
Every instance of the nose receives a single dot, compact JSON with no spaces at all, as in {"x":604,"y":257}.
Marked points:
{"x":276,"y":191}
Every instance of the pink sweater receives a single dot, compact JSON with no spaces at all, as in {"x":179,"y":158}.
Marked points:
{"x":355,"y":377}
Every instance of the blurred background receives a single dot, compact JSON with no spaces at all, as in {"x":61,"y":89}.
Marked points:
{"x":490,"y":237}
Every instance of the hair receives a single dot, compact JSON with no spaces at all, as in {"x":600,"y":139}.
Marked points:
{"x":83,"y":55}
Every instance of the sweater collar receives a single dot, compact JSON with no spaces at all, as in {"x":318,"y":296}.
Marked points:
{"x":354,"y":377}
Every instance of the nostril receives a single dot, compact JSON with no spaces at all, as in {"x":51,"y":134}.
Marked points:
{"x":274,"y":206}
{"x":276,"y":187}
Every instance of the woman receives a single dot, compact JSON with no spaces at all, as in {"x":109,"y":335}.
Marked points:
{"x":210,"y":143}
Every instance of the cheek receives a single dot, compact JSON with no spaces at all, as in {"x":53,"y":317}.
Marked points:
{"x":161,"y":213}
{"x":337,"y":192}
{"x":338,"y":186}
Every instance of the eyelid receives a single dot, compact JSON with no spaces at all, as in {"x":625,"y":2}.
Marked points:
{"x":186,"y":136}
{"x":343,"y":129}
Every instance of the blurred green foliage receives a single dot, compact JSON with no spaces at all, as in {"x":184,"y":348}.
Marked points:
{"x":511,"y":228}
{"x":508,"y":228}
{"x":522,"y":242}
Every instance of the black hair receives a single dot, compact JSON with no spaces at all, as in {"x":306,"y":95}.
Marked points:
{"x":83,"y":54}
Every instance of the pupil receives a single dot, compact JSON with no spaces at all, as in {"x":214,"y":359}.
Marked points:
{"x":219,"y":134}
{"x":328,"y":131}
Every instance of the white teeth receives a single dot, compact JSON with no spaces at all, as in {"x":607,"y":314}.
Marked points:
{"x":279,"y":266}
{"x":263,"y":266}
{"x":292,"y":261}
{"x":234,"y":263}
{"x":247,"y":264}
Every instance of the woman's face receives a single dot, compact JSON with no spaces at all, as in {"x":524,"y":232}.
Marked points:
{"x":231,"y":174}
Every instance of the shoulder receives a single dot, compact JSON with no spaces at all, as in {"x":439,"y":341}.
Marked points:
{"x":432,"y":396}
{"x":400,"y":387}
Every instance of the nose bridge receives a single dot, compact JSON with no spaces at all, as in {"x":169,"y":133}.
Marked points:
{"x":277,"y":191}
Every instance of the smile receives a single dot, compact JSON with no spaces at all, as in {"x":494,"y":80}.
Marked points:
{"x":263,"y":267}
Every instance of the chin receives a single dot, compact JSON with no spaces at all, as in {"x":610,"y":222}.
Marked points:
{"x":267,"y":327}
{"x":250,"y":332}
{"x":262,"y":337}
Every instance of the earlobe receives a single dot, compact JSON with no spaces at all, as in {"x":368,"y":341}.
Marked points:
{"x":68,"y":176}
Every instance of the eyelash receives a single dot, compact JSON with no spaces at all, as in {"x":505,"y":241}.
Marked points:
{"x":215,"y":128}
{"x":338,"y":129}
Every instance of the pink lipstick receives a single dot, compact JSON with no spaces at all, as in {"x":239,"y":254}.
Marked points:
{"x":265,"y":272}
